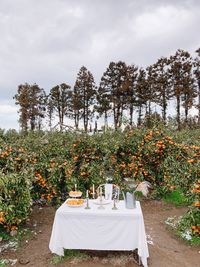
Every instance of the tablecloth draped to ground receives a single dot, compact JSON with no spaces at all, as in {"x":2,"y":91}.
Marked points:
{"x":94,"y":229}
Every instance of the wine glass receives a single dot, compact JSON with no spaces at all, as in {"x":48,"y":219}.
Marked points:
{"x":116,"y":193}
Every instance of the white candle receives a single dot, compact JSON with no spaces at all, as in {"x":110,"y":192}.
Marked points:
{"x":75,"y":186}
{"x":93,"y":189}
{"x":101,"y":191}
{"x":87,"y":194}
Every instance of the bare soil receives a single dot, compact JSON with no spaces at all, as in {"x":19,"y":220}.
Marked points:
{"x":165,"y":249}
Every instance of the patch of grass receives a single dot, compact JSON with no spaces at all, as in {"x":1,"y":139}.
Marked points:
{"x":69,"y":255}
{"x":72,"y":253}
{"x":56,"y":259}
{"x":177,"y":198}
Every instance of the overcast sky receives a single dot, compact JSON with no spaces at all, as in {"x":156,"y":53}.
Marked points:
{"x":47,"y":41}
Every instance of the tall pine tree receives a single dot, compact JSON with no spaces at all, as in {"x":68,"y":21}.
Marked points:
{"x":197,"y":75}
{"x":113,"y":87}
{"x":84,"y":93}
{"x":30,"y":98}
{"x":60,"y":99}
{"x":130,"y":83}
{"x":141,"y":88}
{"x":182,"y":82}
{"x":164,"y":92}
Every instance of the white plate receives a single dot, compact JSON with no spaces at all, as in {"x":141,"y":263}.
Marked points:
{"x":104,"y":202}
{"x":75,"y":195}
{"x":75,"y":206}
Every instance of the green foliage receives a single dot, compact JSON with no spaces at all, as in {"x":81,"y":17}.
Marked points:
{"x":177,"y":198}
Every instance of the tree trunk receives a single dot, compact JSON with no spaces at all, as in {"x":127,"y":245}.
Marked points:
{"x":85,"y":125}
{"x":164,"y":108}
{"x":76,"y":118}
{"x":39,"y":124}
{"x":118,"y":116}
{"x":96,"y":127}
{"x":199,"y":103}
{"x":60,"y":118}
{"x":106,"y":119}
{"x":115,"y":116}
{"x":50,"y":120}
{"x":131,"y":115}
{"x":146,"y":109}
{"x":186,"y":110}
{"x":32,"y":125}
{"x":121,"y":115}
{"x":164,"y":112}
{"x":140,"y":115}
{"x":86,"y":118}
{"x":149,"y":106}
{"x":178,"y":111}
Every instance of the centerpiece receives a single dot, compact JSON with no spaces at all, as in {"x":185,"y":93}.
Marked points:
{"x":75,"y":193}
{"x":74,"y":200}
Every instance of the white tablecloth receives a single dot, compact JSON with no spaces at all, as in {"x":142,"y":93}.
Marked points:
{"x":94,"y":229}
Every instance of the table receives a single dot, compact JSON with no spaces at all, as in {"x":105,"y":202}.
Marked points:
{"x":95,"y":229}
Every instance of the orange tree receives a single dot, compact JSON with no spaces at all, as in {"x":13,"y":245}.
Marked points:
{"x":15,"y":199}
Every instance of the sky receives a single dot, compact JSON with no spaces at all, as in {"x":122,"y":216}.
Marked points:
{"x":47,"y":41}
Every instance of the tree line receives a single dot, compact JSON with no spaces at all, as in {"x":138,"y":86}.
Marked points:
{"x":122,"y":90}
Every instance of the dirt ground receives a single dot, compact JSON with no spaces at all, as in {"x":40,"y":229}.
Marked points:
{"x":165,"y":249}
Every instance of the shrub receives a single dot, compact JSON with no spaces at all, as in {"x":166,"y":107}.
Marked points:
{"x":15,"y":199}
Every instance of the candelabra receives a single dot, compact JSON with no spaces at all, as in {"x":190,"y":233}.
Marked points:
{"x":87,"y":204}
{"x":87,"y":201}
{"x":114,"y":205}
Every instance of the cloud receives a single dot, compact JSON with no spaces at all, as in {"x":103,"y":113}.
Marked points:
{"x":8,"y":116}
{"x":6,"y":109}
{"x":47,"y":41}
